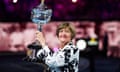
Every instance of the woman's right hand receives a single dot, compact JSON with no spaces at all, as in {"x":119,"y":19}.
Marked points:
{"x":40,"y":37}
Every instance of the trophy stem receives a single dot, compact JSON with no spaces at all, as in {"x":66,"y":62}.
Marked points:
{"x":39,"y":27}
{"x":42,"y":1}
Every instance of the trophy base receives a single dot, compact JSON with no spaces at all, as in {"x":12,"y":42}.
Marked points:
{"x":35,"y":46}
{"x":28,"y":59}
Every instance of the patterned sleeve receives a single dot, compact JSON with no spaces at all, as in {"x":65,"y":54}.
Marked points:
{"x":60,"y":58}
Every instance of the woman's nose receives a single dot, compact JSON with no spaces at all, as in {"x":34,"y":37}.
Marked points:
{"x":63,"y":32}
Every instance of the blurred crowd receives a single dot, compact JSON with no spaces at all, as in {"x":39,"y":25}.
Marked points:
{"x":107,"y":33}
{"x":16,"y":36}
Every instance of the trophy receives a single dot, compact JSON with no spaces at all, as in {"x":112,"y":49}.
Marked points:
{"x":40,"y":15}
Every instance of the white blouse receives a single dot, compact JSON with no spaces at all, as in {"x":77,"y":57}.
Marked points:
{"x":65,"y":60}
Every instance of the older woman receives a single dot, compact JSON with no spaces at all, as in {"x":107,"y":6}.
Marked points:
{"x":67,"y":58}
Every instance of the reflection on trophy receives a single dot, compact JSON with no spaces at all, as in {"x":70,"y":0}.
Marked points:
{"x":39,"y":15}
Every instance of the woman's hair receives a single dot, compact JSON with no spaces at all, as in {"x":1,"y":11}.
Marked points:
{"x":66,"y":25}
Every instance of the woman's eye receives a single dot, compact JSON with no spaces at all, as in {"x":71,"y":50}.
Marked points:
{"x":61,"y":30}
{"x":67,"y":31}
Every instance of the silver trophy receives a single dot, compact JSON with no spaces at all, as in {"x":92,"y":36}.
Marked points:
{"x":40,"y":15}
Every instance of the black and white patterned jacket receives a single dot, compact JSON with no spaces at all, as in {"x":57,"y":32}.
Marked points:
{"x":65,"y":60}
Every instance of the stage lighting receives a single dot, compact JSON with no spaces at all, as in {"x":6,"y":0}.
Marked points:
{"x":74,"y":1}
{"x":15,"y":1}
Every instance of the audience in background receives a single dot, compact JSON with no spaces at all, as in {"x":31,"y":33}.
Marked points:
{"x":29,"y":33}
{"x":89,"y":27}
{"x":4,"y":40}
{"x":113,"y":39}
{"x":15,"y":38}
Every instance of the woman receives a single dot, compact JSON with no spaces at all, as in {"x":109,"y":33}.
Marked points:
{"x":67,"y":58}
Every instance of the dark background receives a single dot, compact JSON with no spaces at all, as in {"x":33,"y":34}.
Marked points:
{"x":62,"y":10}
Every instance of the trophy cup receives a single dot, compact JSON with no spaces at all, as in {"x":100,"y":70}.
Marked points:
{"x":40,"y":15}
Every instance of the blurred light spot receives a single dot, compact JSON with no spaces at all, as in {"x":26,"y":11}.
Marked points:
{"x":81,"y":44}
{"x":15,"y":1}
{"x":74,"y":1}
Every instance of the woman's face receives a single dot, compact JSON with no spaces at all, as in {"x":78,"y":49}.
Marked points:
{"x":64,"y":35}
